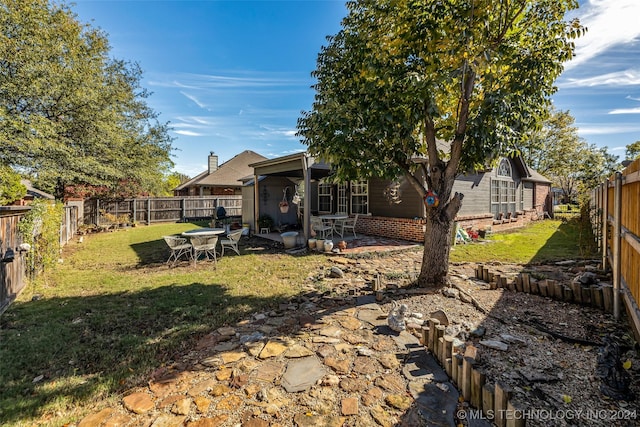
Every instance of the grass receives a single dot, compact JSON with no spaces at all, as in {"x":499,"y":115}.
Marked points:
{"x":112,"y":312}
{"x":540,"y":242}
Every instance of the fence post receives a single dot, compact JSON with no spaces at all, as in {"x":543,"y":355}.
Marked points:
{"x":98,"y":212}
{"x":617,"y":237}
{"x":133,"y":210}
{"x":148,"y":210}
{"x":605,"y":223}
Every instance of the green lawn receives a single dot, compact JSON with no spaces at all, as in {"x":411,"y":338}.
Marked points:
{"x":113,"y":311}
{"x":540,"y":242}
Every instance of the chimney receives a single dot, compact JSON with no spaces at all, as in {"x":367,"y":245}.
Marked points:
{"x":213,"y":163}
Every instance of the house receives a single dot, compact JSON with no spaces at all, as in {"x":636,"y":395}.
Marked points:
{"x":224,"y":179}
{"x":507,"y":196}
{"x":32,"y":193}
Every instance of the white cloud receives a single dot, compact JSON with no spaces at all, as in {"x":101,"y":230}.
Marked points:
{"x":635,"y":110}
{"x":610,"y":23}
{"x":194,"y":99}
{"x":605,"y":129}
{"x":187,"y":133}
{"x":619,"y":78}
{"x":234,"y":80}
{"x":286,"y":132}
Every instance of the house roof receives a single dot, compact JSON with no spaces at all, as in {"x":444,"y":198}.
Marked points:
{"x":536,"y":177}
{"x":293,"y":166}
{"x":228,"y":174}
{"x":34,"y":192}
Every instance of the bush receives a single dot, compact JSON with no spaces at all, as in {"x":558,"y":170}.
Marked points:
{"x":40,"y":228}
{"x":11,"y":189}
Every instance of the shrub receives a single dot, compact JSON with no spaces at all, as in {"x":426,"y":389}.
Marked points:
{"x":11,"y":189}
{"x":40,"y":228}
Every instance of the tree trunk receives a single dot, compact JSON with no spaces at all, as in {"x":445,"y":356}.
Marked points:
{"x":437,"y":246}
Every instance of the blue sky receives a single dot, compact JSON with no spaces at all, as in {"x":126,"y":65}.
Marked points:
{"x":234,"y":75}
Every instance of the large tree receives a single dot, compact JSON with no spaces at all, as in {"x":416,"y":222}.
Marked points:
{"x":453,"y":82}
{"x":70,"y":114}
{"x":559,"y":153}
{"x":633,"y":151}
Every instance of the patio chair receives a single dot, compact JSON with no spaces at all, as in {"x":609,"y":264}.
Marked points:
{"x":349,"y":224}
{"x":324,"y":230}
{"x":231,"y":241}
{"x":204,"y":245}
{"x":179,"y":246}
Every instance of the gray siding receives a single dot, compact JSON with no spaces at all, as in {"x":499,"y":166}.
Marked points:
{"x":410,"y":206}
{"x":477,"y":193}
{"x":270,"y":190}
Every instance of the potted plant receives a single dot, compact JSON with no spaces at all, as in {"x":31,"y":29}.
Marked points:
{"x":265,"y":221}
{"x":284,"y":206}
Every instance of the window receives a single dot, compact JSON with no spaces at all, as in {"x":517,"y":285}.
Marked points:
{"x":505,"y":168}
{"x":359,"y":197}
{"x":324,"y":197}
{"x":503,"y":190}
{"x":343,"y":198}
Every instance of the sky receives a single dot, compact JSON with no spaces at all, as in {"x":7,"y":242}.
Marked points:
{"x":235,"y":75}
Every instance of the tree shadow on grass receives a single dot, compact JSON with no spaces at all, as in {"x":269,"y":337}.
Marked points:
{"x":571,"y":240}
{"x":82,"y":348}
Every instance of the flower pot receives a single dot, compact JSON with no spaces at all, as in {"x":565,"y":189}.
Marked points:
{"x":319,"y":244}
{"x":328,"y":245}
{"x":284,"y":209}
{"x":312,"y":243}
{"x":289,"y":239}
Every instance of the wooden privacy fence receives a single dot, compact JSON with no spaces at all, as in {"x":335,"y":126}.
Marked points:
{"x":70,"y":224}
{"x":161,"y":209}
{"x":12,"y":261}
{"x":13,"y":272}
{"x":615,"y":217}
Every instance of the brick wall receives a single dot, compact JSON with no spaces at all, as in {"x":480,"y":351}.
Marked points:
{"x":542,"y":192}
{"x":395,"y":228}
{"x":413,"y":229}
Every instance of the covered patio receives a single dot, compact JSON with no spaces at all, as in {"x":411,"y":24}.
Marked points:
{"x":297,"y":171}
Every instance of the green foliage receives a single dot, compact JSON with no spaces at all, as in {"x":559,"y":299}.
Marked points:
{"x":69,"y":114}
{"x":633,"y":151}
{"x":557,"y":152}
{"x":40,"y":228}
{"x":170,"y":182}
{"x":11,"y":189}
{"x":457,"y":83}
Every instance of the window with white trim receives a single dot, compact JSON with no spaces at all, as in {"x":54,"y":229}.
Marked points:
{"x":359,"y":197}
{"x":343,"y":197}
{"x":324,"y":197}
{"x":503,"y":190}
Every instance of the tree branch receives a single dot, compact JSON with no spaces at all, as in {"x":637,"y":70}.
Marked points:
{"x":453,"y":206}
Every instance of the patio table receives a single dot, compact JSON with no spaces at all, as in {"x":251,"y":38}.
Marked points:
{"x":202,"y":232}
{"x":334,"y":218}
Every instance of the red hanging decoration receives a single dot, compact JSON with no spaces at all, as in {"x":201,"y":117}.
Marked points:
{"x":431,"y":199}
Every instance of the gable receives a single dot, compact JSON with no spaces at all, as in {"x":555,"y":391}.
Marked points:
{"x":231,"y":172}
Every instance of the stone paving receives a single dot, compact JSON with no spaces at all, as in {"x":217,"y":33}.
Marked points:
{"x":317,"y":361}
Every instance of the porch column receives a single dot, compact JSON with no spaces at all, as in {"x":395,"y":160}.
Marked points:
{"x":306,"y":174}
{"x":256,"y":203}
